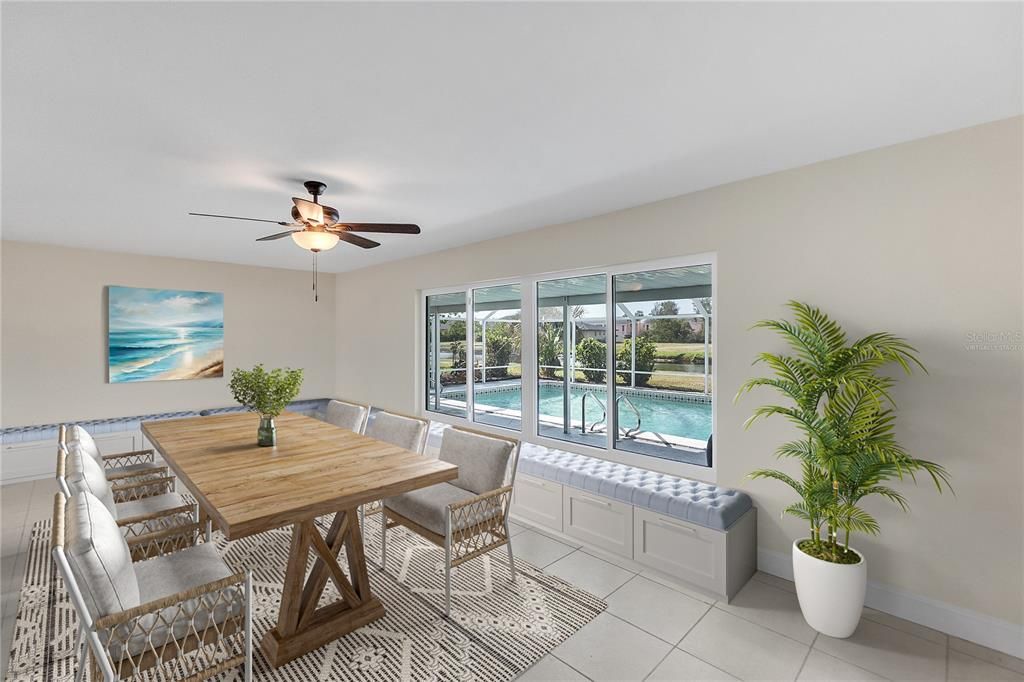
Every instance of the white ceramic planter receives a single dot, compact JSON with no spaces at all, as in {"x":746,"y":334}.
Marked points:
{"x":831,"y":595}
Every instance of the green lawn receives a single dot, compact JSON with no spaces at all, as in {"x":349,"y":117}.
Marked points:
{"x":669,"y":382}
{"x":678,"y":353}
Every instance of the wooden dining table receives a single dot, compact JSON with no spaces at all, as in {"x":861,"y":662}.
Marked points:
{"x":315,"y":469}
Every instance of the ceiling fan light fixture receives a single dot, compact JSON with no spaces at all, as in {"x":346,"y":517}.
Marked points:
{"x":309,"y":211}
{"x":315,"y":240}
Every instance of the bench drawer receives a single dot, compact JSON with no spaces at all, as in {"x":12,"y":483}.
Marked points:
{"x":599,"y":521}
{"x":681,"y":549}
{"x":538,"y":500}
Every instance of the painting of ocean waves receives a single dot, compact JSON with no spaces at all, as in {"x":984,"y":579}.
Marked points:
{"x":164,"y":334}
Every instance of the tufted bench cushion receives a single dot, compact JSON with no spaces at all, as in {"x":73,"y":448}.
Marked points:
{"x":700,"y":503}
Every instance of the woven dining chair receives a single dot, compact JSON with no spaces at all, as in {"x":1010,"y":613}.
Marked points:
{"x":138,"y":517}
{"x":123,"y":466}
{"x":398,"y":429}
{"x":468,"y":516}
{"x":349,"y":416}
{"x":180,"y":615}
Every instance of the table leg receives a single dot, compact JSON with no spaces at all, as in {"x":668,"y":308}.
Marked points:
{"x":302,"y":625}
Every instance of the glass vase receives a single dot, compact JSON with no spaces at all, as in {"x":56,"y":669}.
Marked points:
{"x":266,"y":436}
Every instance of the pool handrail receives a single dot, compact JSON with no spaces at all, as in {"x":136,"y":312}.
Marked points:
{"x":583,"y":415}
{"x":628,"y":432}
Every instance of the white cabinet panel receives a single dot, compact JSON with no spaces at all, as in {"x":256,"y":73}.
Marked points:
{"x":538,"y":500}
{"x":24,"y":461}
{"x":113,"y":443}
{"x":597,"y":520}
{"x":38,"y":459}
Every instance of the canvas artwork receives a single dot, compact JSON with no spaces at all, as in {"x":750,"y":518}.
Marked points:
{"x":164,"y":334}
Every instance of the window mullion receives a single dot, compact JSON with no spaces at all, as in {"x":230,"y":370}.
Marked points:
{"x":528,"y":355}
{"x":470,"y":355}
{"x":612,"y":417}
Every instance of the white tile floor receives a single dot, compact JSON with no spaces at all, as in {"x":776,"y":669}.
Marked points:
{"x":654,"y":628}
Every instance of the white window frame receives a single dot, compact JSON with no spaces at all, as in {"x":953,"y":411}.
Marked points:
{"x":528,"y":314}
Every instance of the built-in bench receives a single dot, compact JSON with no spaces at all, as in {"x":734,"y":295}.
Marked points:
{"x":695,"y":531}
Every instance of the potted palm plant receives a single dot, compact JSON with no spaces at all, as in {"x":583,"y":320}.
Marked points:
{"x":840,"y":402}
{"x":267,"y":393}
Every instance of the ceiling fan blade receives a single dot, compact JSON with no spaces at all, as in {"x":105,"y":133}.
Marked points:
{"x":385,"y":228}
{"x":235,"y":217}
{"x":272,"y":237}
{"x":356,"y":239}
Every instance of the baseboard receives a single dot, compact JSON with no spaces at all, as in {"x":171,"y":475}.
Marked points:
{"x":976,"y":627}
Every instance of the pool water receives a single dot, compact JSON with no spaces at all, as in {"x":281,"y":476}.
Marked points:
{"x":670,"y":417}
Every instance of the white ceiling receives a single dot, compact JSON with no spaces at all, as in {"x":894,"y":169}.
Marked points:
{"x":473,"y":120}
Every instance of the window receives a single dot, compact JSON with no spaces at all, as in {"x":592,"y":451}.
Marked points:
{"x":572,"y":381}
{"x":497,"y":345}
{"x":620,"y":359}
{"x":662,"y":394}
{"x":446,"y":354}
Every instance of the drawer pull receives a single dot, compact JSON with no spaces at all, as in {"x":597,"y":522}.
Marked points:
{"x":676,"y":526}
{"x":588,"y":498}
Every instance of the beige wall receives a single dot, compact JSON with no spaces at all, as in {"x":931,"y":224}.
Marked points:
{"x":54,"y":326}
{"x":922,"y":239}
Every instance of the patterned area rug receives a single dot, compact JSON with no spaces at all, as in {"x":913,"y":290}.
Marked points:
{"x":496,"y":631}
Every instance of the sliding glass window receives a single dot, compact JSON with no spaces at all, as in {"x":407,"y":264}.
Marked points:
{"x":663,"y":363}
{"x":446,"y":354}
{"x":623,"y":358}
{"x":497,"y":364}
{"x":572,"y":392}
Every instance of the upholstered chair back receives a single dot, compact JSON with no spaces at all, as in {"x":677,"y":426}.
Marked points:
{"x":346,"y":415}
{"x":83,"y":474}
{"x":76,"y":434}
{"x":483,"y":461}
{"x":99,"y":557}
{"x":405,"y":432}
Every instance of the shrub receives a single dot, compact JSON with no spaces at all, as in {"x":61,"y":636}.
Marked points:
{"x":646,"y":349}
{"x":593,"y":354}
{"x":549,"y":347}
{"x":502,"y":343}
{"x":454,"y":331}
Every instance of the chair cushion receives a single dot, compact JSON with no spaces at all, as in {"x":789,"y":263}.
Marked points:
{"x":76,"y":434}
{"x":178,"y":571}
{"x":99,"y":557}
{"x":404,"y":432}
{"x":173,"y":573}
{"x":482,"y":461}
{"x":345,"y":415}
{"x":83,"y":474}
{"x":702,"y":503}
{"x":429,"y":506}
{"x":149,"y":505}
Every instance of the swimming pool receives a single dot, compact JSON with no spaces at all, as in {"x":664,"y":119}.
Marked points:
{"x":660,"y":415}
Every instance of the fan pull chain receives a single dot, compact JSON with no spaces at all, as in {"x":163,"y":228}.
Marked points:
{"x":316,"y":296}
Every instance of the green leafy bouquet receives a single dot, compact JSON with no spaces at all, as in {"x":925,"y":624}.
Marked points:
{"x":265,"y":392}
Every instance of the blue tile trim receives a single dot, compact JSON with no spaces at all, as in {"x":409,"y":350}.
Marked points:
{"x":25,"y":434}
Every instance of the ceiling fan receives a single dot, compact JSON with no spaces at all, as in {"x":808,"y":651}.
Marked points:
{"x":316,"y":228}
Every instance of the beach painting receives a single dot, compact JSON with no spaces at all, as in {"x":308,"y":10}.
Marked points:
{"x":164,"y":334}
